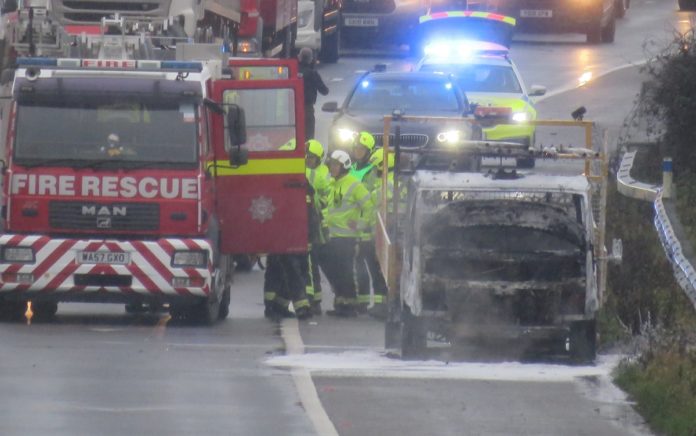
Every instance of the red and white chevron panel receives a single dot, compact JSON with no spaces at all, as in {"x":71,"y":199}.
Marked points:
{"x":150,"y":266}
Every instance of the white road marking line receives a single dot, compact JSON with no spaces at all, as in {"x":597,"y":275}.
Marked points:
{"x":290,"y":333}
{"x":336,"y":79}
{"x":575,"y":86}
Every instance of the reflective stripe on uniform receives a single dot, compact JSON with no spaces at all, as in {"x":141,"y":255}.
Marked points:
{"x":380,"y":299}
{"x":300,"y":303}
{"x":343,"y":301}
{"x":364,"y":299}
{"x":269,"y":296}
{"x":259,"y":166}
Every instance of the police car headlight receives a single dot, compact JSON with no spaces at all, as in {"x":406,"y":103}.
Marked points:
{"x":346,"y":135}
{"x":449,"y":137}
{"x":520,"y":117}
{"x":18,"y":254}
{"x":195,"y":258}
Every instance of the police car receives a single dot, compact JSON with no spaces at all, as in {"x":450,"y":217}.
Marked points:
{"x":492,"y":82}
{"x":379,"y":93}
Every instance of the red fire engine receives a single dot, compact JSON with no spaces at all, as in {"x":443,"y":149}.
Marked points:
{"x":136,"y":181}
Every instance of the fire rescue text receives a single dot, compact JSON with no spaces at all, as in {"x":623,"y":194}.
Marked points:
{"x":104,"y":186}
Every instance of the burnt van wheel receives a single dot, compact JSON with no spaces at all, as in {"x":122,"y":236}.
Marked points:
{"x":413,"y":335}
{"x":583,"y":341}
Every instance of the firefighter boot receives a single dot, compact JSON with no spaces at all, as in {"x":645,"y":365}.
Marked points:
{"x":378,"y":310}
{"x":316,"y":308}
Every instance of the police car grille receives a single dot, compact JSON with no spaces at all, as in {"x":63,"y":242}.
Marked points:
{"x":408,"y":140}
{"x":78,"y":215}
{"x":368,"y":6}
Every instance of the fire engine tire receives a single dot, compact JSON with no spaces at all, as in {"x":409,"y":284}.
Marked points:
{"x":244,"y":262}
{"x":413,"y":335}
{"x":224,"y":311}
{"x":583,"y":341}
{"x":687,"y":5}
{"x":609,"y":31}
{"x":45,"y":310}
{"x":12,"y":310}
{"x":330,"y":45}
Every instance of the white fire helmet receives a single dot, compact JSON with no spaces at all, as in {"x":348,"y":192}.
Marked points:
{"x":342,"y":157}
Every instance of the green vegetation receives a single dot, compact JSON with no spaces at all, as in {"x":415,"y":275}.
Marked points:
{"x":663,"y":383}
{"x":644,"y":298}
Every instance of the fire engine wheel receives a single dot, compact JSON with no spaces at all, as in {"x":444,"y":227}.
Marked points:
{"x":12,"y":310}
{"x":583,"y":341}
{"x":45,"y":310}
{"x":330,"y":45}
{"x":224,"y":304}
{"x":413,"y":335}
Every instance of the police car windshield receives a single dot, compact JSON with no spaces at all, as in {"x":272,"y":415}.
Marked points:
{"x":85,"y":128}
{"x":411,"y":96}
{"x":480,"y":78}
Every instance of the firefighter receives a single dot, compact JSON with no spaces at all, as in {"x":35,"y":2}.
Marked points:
{"x":379,"y":309}
{"x":312,"y":85}
{"x":367,"y":267}
{"x":319,"y":183}
{"x":349,"y":202}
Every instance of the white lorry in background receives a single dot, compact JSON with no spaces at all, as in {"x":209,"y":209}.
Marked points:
{"x":319,"y":28}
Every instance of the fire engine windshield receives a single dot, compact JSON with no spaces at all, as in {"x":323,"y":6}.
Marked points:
{"x":92,"y":127}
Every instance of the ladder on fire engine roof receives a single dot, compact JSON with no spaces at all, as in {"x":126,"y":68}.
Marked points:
{"x":37,"y":33}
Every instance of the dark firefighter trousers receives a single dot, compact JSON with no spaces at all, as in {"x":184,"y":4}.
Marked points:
{"x":367,"y":262}
{"x":338,"y":262}
{"x":284,"y":281}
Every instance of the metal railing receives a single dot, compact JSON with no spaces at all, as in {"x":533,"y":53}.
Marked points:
{"x":684,"y":272}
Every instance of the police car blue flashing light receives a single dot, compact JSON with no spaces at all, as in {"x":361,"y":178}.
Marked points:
{"x":365,"y":84}
{"x":463,"y":49}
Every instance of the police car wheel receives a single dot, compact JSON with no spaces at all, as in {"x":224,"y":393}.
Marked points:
{"x":687,"y":5}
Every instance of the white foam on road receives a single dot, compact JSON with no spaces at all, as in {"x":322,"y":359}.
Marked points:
{"x":375,"y":364}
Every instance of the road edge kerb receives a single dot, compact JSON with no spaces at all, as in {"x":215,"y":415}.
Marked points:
{"x":307,"y":391}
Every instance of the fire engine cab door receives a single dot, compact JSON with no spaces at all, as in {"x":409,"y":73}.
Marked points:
{"x":262,"y":206}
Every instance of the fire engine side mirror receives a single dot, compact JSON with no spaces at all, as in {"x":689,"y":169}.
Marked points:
{"x":236,"y":125}
{"x":239,"y":155}
{"x":236,"y":130}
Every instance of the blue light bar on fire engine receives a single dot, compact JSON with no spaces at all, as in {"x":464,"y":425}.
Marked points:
{"x":111,"y":64}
